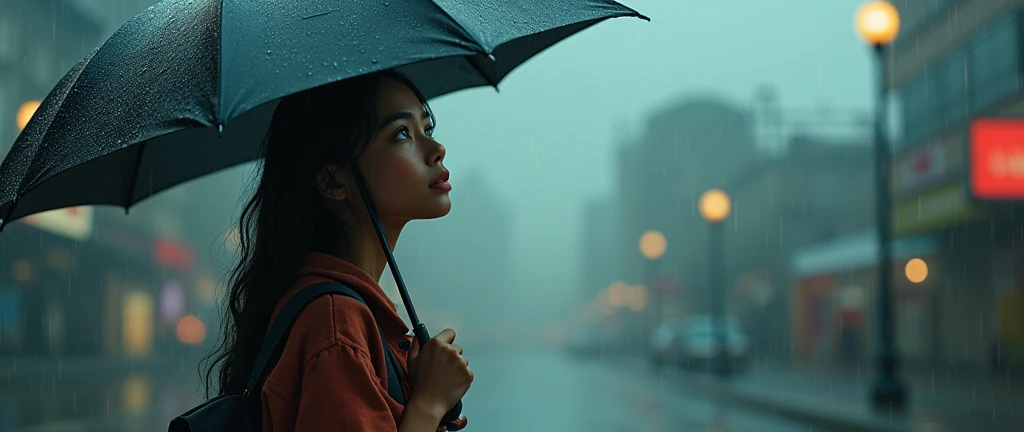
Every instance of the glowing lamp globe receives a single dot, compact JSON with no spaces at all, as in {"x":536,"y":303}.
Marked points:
{"x":878,"y":23}
{"x":715,"y":205}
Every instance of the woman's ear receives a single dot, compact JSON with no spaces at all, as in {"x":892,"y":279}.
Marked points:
{"x":330,"y":181}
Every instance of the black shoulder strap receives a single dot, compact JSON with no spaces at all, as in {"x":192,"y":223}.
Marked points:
{"x":278,"y":333}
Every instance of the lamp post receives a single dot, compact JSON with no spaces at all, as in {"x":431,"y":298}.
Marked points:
{"x":878,"y":23}
{"x":25,"y":113}
{"x":715,"y":208}
{"x":652,"y":246}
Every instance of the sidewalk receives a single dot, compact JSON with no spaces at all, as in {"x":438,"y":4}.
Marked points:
{"x":839,"y":400}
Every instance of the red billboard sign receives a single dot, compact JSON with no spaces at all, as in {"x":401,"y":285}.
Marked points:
{"x":997,"y":159}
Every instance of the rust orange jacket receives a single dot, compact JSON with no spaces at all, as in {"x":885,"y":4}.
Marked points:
{"x":331,"y":375}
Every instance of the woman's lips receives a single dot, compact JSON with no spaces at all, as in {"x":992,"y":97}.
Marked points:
{"x":442,"y":182}
{"x":442,"y":185}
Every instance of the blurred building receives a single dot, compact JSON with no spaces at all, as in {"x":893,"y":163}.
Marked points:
{"x":956,"y":62}
{"x":817,"y":190}
{"x":600,"y":257}
{"x":460,"y":269}
{"x":689,"y":147}
{"x":39,"y":41}
{"x":91,"y":282}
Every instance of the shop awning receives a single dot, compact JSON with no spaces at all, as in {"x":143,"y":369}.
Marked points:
{"x":856,"y":251}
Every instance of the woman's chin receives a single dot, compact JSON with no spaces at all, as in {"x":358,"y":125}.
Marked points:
{"x":440,"y":207}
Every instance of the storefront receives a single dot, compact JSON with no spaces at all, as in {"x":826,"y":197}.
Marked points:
{"x":40,"y":279}
{"x":834,"y":293}
{"x":996,"y":181}
{"x":78,"y":285}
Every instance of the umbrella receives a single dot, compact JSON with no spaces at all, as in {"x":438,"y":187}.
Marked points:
{"x":188,"y":87}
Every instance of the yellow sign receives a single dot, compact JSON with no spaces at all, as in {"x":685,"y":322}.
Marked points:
{"x":933,"y":210}
{"x":71,"y":222}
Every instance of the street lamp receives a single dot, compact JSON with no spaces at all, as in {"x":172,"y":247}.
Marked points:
{"x":652,"y":246}
{"x":878,"y":23}
{"x":25,"y":113}
{"x":715,"y":208}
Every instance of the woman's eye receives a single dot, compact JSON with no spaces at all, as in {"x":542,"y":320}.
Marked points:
{"x":429,"y":131}
{"x":402,"y":134}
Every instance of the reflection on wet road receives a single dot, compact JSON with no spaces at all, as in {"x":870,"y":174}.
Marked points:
{"x":515,"y":390}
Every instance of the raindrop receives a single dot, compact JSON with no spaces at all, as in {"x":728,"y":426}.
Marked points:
{"x":268,"y":53}
{"x":374,"y":61}
{"x":335,"y":65}
{"x":386,"y":4}
{"x":309,"y":73}
{"x":362,"y":51}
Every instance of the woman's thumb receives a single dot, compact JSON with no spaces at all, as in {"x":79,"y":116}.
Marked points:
{"x":414,"y":350}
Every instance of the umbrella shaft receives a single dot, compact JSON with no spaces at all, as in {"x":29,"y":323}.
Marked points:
{"x":371,"y":210}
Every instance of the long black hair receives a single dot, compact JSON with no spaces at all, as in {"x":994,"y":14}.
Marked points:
{"x":287,"y":216}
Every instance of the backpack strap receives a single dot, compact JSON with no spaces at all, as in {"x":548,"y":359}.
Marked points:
{"x":274,"y":341}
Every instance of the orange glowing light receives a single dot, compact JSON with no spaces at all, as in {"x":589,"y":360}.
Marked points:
{"x":653,"y":244}
{"x":191,"y":330}
{"x":877,"y":22}
{"x":25,"y":113}
{"x":715,"y":205}
{"x":917,"y":270}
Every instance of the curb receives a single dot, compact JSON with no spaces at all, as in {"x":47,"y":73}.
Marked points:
{"x":786,"y":406}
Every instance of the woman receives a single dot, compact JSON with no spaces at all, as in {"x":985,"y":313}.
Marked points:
{"x":305,"y":224}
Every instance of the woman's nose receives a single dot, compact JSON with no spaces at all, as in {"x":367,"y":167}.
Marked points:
{"x":438,"y":153}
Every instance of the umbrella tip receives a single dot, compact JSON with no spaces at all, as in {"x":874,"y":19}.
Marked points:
{"x":643,"y":17}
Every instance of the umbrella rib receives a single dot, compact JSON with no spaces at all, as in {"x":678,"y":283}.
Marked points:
{"x":479,"y":69}
{"x":465,"y":31}
{"x":130,"y":192}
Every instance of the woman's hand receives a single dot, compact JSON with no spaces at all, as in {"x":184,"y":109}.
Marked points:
{"x":439,"y":375}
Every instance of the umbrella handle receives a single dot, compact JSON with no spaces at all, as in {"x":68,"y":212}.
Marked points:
{"x":452,"y":420}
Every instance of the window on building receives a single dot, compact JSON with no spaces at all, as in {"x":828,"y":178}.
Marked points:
{"x":951,"y":86}
{"x":918,"y":106}
{"x":995,"y":65}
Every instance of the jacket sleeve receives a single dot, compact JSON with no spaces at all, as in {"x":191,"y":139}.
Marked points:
{"x":341,"y":392}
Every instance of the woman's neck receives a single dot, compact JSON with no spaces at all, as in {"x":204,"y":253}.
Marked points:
{"x":361,"y":247}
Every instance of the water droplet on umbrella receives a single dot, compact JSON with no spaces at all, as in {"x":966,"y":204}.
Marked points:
{"x":335,"y":65}
{"x":268,"y":53}
{"x":374,"y":61}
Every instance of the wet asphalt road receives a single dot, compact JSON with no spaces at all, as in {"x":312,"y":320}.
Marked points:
{"x":515,"y":390}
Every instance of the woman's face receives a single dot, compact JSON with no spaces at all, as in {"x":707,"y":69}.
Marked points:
{"x":403,"y":165}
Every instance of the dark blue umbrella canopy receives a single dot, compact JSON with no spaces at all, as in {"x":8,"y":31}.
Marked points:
{"x":187,"y":87}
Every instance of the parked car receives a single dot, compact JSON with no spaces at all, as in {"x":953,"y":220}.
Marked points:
{"x":691,"y":343}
